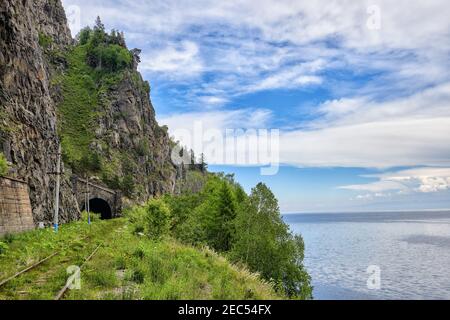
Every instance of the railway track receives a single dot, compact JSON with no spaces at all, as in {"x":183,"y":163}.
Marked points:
{"x":34,"y":280}
{"x":61,"y":293}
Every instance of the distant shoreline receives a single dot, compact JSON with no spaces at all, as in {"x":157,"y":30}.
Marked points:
{"x":366,"y":212}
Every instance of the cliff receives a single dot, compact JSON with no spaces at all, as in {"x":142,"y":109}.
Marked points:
{"x":28,"y":113}
{"x":53,"y":91}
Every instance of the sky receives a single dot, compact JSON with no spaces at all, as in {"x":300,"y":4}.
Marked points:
{"x":354,"y":95}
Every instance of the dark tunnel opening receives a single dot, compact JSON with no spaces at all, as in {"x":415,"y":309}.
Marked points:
{"x":101,"y":207}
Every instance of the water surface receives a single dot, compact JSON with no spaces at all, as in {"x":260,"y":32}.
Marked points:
{"x":412,"y":250}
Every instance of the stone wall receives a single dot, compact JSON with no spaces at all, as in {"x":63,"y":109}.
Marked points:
{"x":15,"y":207}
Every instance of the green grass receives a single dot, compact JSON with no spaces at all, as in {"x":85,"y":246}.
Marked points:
{"x":127,"y":266}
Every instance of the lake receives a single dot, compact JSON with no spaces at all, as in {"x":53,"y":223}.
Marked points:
{"x":408,"y":254}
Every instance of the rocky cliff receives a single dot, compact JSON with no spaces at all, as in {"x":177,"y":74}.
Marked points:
{"x":42,"y":100}
{"x":28,"y":113}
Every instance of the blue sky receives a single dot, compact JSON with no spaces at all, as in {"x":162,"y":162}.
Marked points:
{"x":359,"y":91}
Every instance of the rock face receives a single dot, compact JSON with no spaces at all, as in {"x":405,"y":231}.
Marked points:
{"x":34,"y":38}
{"x":128,"y":126}
{"x":28,"y":113}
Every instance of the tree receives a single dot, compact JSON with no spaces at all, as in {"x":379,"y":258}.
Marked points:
{"x":224,"y":220}
{"x":264,"y":242}
{"x":203,"y":164}
{"x":192,"y":158}
{"x":99,"y":26}
{"x":157,"y":219}
{"x":84,"y":36}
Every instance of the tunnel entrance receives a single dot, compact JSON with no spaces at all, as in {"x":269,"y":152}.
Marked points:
{"x":101,"y":207}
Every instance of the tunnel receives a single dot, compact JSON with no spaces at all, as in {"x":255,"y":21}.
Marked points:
{"x":101,"y":207}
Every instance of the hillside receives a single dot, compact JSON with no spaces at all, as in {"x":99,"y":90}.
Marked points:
{"x":126,"y":266}
{"x":86,"y":95}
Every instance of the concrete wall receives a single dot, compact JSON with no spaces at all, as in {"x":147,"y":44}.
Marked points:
{"x":15,"y":207}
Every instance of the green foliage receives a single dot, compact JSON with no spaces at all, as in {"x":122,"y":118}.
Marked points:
{"x":84,"y":36}
{"x":45,"y":41}
{"x":105,"y":52}
{"x":167,"y":270}
{"x":222,"y":229}
{"x":157,"y":218}
{"x":95,"y":65}
{"x":249,"y":229}
{"x":138,"y":276}
{"x":77,"y":111}
{"x":3,"y":165}
{"x":128,"y":186}
{"x":3,"y":248}
{"x":265,"y":244}
{"x":143,"y":149}
{"x":111,"y":57}
{"x":94,"y":216}
{"x":153,"y":218}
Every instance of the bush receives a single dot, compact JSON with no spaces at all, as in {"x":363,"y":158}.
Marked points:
{"x":3,"y":165}
{"x":3,"y":248}
{"x":139,"y":253}
{"x":153,"y":218}
{"x":128,"y":186}
{"x":157,"y":218}
{"x":138,"y":276}
{"x":94,"y":216}
{"x":45,"y":41}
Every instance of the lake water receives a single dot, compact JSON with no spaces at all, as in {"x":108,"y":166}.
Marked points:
{"x":410,"y":249}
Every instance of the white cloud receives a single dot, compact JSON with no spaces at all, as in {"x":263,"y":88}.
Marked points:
{"x":249,"y":46}
{"x":174,"y":61}
{"x":218,"y":120}
{"x":409,"y":131}
{"x":419,"y":180}
{"x":377,"y":187}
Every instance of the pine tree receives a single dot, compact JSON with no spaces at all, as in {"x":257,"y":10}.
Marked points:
{"x":99,"y":26}
{"x":226,"y":213}
{"x":203,"y":164}
{"x":192,"y":158}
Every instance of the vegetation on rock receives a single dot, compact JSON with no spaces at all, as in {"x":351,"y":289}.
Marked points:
{"x":104,"y":134}
{"x":3,"y":165}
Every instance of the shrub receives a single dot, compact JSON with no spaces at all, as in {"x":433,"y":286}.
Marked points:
{"x":3,"y":165}
{"x":9,"y":238}
{"x":138,"y":276}
{"x":138,"y":229}
{"x":94,"y":216}
{"x":3,"y":248}
{"x":44,"y":40}
{"x":120,"y":263}
{"x":128,"y":186}
{"x":157,"y":218}
{"x":139,"y":253}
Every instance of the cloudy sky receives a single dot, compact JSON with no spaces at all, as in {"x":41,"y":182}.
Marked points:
{"x":359,"y":90}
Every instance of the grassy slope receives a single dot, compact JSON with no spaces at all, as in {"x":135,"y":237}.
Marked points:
{"x":126,"y":267}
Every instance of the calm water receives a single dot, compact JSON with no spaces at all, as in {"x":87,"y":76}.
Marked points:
{"x":411,"y":249}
